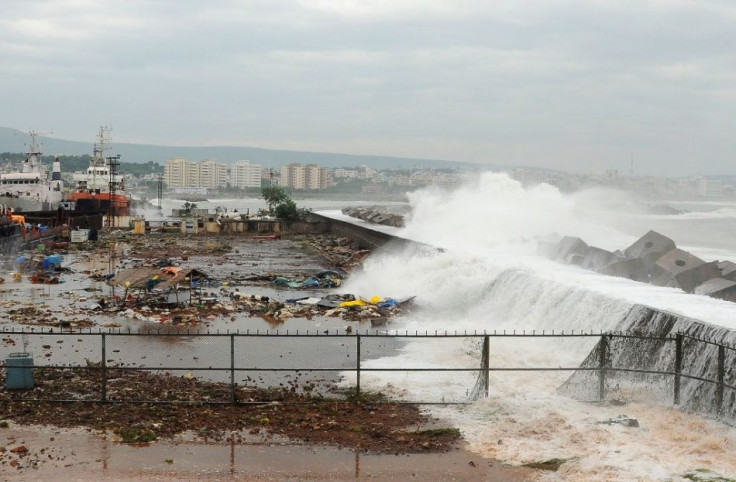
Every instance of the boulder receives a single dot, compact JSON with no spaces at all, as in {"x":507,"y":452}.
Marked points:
{"x":650,"y":247}
{"x":680,"y":269}
{"x":574,"y":259}
{"x":596,"y":259}
{"x":568,"y":246}
{"x":728,"y":270}
{"x":633,"y":269}
{"x":718,"y":288}
{"x":690,"y":279}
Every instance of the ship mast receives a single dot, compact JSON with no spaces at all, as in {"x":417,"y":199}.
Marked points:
{"x":103,"y":137}
{"x":33,"y":156}
{"x":98,"y":159}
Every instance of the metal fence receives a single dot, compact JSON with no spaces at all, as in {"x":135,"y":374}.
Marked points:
{"x":89,"y":365}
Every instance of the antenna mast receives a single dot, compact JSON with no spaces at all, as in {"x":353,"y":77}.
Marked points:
{"x":631,"y":171}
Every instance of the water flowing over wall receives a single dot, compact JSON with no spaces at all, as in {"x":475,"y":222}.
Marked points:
{"x":699,"y":360}
{"x":495,"y":298}
{"x":488,"y":279}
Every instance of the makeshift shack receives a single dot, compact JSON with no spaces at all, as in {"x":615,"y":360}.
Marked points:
{"x":170,"y":284}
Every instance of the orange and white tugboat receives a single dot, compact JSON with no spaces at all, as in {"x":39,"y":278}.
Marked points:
{"x":100,"y":189}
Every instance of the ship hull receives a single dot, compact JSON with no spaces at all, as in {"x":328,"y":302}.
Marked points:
{"x":26,"y":204}
{"x":105,"y":203}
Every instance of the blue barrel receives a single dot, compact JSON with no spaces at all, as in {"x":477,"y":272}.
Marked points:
{"x":54,"y":260}
{"x":19,"y":371}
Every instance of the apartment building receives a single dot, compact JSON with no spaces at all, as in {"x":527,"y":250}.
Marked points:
{"x":245,"y":175}
{"x":311,"y":176}
{"x":179,"y":172}
{"x":212,"y":174}
{"x":293,"y":176}
{"x":326,"y":178}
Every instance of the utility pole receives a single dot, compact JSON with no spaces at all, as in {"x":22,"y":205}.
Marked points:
{"x":113,"y":163}
{"x":160,"y":187}
{"x":631,"y":171}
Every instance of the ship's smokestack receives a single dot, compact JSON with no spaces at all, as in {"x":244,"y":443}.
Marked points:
{"x":56,"y":170}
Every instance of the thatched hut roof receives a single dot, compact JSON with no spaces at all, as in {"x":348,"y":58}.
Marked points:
{"x":171,"y":277}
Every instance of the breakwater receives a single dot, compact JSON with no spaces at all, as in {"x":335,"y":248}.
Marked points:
{"x":699,"y":352}
{"x":367,"y":238}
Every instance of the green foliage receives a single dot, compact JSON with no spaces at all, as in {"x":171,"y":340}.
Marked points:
{"x":274,"y":196}
{"x":703,"y":475}
{"x":187,"y":208}
{"x":552,"y":465}
{"x":135,"y":435}
{"x":287,"y":211}
{"x":439,"y":432}
{"x":137,"y":168}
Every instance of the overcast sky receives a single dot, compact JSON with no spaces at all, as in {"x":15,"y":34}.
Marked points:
{"x":577,"y":85}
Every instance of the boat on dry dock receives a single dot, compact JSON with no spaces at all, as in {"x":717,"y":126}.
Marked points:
{"x":100,"y":189}
{"x":32,"y":188}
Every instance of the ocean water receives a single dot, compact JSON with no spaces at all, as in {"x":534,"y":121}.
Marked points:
{"x":490,"y":279}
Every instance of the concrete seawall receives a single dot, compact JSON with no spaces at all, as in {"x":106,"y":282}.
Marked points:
{"x":699,"y":358}
{"x":366,"y":238}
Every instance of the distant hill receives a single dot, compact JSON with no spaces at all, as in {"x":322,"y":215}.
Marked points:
{"x":12,"y":140}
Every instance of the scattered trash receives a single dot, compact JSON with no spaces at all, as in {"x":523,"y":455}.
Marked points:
{"x":621,"y":420}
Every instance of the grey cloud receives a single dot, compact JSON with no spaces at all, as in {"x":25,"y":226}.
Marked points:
{"x":568,"y":84}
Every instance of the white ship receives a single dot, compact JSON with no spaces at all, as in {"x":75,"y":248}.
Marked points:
{"x":100,"y":188}
{"x":32,"y":188}
{"x":99,"y":177}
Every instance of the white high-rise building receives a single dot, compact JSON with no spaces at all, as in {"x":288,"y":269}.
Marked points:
{"x":179,"y":172}
{"x":244,"y":175}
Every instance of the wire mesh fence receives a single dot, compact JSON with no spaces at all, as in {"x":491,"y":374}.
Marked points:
{"x":419,"y":368}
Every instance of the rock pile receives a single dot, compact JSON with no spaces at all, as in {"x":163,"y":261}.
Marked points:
{"x":372,"y":215}
{"x":654,"y":259}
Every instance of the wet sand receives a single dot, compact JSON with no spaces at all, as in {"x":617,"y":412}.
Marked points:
{"x":79,"y":455}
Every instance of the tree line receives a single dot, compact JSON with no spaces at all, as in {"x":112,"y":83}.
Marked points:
{"x":81,"y":163}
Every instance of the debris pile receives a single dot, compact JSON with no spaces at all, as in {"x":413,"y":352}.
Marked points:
{"x":369,"y":423}
{"x":323,"y":279}
{"x":156,"y":283}
{"x":41,"y":268}
{"x":339,"y":252}
{"x":377,"y":310}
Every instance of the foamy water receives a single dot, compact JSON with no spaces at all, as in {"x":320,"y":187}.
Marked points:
{"x":489,"y":279}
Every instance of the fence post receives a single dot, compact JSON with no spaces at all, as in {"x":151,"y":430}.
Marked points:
{"x":721,"y":376}
{"x":232,"y":369}
{"x":678,"y":366}
{"x":357,"y":367}
{"x":602,"y":369}
{"x":486,"y":363}
{"x":103,"y":368}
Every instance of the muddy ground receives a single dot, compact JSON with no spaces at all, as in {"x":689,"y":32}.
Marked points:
{"x":241,"y":272}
